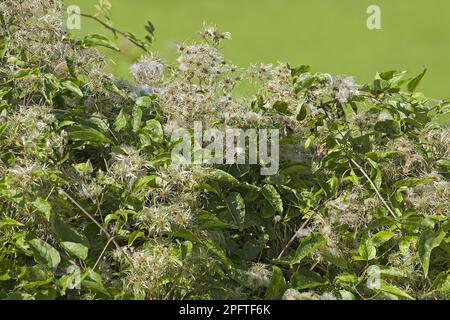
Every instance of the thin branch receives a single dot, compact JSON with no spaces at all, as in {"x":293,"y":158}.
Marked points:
{"x":374,"y":187}
{"x":108,"y":236}
{"x":115,"y":31}
{"x":295,"y":236}
{"x":101,"y":254}
{"x":363,"y":172}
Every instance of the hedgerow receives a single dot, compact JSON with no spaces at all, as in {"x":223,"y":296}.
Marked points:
{"x":92,"y":206}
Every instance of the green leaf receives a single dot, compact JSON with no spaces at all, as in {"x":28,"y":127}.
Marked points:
{"x":121,"y":121}
{"x":186,"y":249}
{"x":3,"y":42}
{"x":347,"y":295}
{"x":84,"y":169}
{"x":273,"y":197}
{"x":414,"y":83}
{"x":66,"y":123}
{"x":309,"y":142}
{"x":381,"y":237}
{"x":337,"y":261}
{"x":411,"y":181}
{"x":67,"y":233}
{"x":144,"y":102}
{"x":85,"y":134}
{"x":152,"y":181}
{"x":209,"y":221}
{"x":45,"y":254}
{"x":150,"y":28}
{"x":282,"y":107}
{"x":51,"y":85}
{"x":306,"y":279}
{"x":388,"y":75}
{"x":3,"y":128}
{"x":25,"y":73}
{"x":308,"y":245}
{"x":348,"y":279}
{"x":444,"y":164}
{"x":94,"y":282}
{"x":428,"y":241}
{"x":43,"y":206}
{"x":222,"y":177}
{"x":178,"y":231}
{"x":276,"y":286}
{"x":378,"y":270}
{"x":154,"y":130}
{"x":390,"y":127}
{"x":299,"y":70}
{"x":135,"y":235}
{"x":76,"y":249}
{"x":380,"y":85}
{"x":97,"y":40}
{"x":334,"y":184}
{"x":367,"y":250}
{"x":363,"y":144}
{"x":376,"y":173}
{"x":385,"y":287}
{"x":7,"y":222}
{"x":302,"y":113}
{"x":441,"y":283}
{"x":136,"y":118}
{"x":5,"y":91}
{"x":236,"y":207}
{"x":72,"y":87}
{"x":250,"y":250}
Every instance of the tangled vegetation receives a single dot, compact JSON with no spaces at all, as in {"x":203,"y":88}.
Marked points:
{"x":92,"y":207}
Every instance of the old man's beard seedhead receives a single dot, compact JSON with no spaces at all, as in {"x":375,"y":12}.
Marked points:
{"x":229,"y":146}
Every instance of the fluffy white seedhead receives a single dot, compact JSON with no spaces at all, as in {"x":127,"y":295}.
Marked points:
{"x":147,"y":71}
{"x":258,"y":276}
{"x":344,"y":89}
{"x":213,"y":36}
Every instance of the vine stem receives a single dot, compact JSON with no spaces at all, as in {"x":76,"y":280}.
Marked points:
{"x":114,"y":30}
{"x":374,"y":187}
{"x":360,"y":168}
{"x":108,"y":236}
{"x":101,"y":254}
{"x":291,"y":241}
{"x":96,"y":262}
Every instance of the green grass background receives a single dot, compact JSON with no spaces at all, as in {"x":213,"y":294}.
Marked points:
{"x":329,"y":35}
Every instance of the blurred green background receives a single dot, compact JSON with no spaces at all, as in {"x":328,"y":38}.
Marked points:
{"x":329,"y":35}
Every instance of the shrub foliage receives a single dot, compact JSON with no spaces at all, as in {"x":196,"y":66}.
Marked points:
{"x":91,"y":206}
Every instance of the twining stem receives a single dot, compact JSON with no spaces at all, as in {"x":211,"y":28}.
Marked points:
{"x":374,"y":187}
{"x":288,"y":245}
{"x":96,"y":262}
{"x":108,"y":236}
{"x":115,"y":31}
{"x":360,"y":168}
{"x":101,"y":254}
{"x":291,"y":241}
